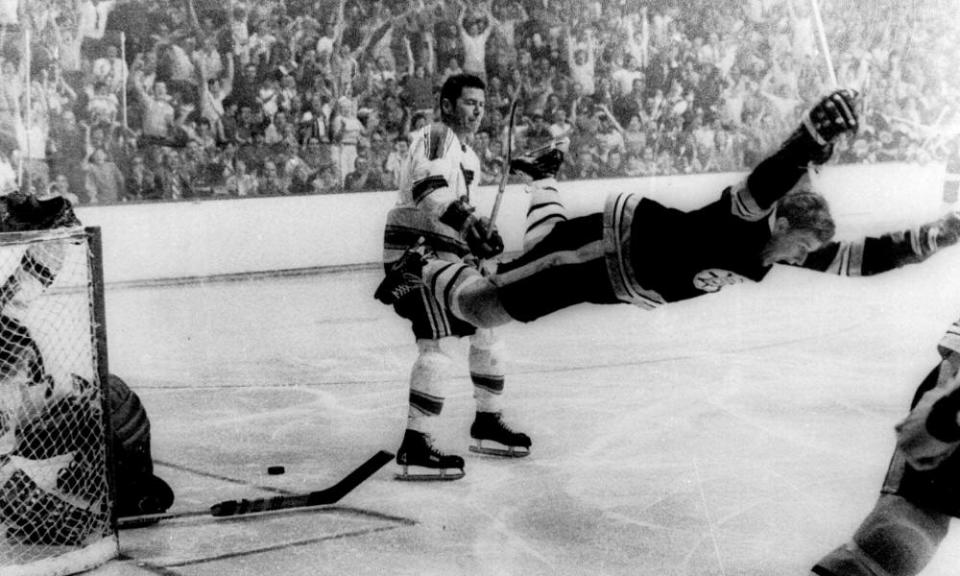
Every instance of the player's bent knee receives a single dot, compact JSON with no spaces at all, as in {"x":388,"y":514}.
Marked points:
{"x":480,"y":305}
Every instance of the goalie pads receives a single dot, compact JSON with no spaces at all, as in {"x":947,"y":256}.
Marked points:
{"x":35,"y":515}
{"x":139,"y":491}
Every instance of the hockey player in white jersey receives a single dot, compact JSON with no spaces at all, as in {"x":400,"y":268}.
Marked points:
{"x":434,"y":209}
{"x":919,"y":496}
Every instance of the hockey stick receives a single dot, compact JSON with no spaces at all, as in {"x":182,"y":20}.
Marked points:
{"x":506,"y":168}
{"x":822,"y":38}
{"x":323,"y":497}
{"x":330,"y":495}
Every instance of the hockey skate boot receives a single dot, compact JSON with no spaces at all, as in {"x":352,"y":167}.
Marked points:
{"x":419,"y":460}
{"x":492,"y":436}
{"x":404,"y":275}
{"x":543,"y":162}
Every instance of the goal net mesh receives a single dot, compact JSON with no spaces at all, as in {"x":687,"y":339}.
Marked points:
{"x":55,"y":489}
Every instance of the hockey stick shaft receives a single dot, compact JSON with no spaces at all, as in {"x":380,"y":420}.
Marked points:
{"x":506,"y":168}
{"x":327,"y":496}
{"x":824,"y":46}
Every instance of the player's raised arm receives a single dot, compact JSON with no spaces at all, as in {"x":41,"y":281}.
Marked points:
{"x":812,"y":142}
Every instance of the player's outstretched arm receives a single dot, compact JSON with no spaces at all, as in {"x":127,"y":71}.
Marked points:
{"x":875,"y":255}
{"x":812,"y":142}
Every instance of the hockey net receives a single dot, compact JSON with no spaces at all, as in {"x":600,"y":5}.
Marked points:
{"x":56,"y":496}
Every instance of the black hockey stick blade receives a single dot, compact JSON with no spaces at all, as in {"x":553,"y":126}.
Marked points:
{"x":330,"y":495}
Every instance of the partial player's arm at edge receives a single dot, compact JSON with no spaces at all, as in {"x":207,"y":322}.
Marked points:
{"x":931,"y":432}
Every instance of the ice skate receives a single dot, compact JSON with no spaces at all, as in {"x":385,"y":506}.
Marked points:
{"x":403,"y":276}
{"x":492,"y":436}
{"x":420,"y":461}
{"x":543,"y":162}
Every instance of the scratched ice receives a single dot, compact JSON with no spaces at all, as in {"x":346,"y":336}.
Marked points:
{"x":745,"y":433}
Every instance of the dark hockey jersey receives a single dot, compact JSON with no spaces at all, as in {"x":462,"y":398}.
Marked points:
{"x":679,"y":255}
{"x":675,"y":255}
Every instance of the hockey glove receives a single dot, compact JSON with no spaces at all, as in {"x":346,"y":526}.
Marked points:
{"x":28,"y":213}
{"x":948,"y":230}
{"x":938,"y":234}
{"x":942,"y":422}
{"x":484,"y":241}
{"x":833,"y":116}
{"x":824,"y":123}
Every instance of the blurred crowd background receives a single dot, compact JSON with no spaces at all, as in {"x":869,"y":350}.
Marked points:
{"x":140,"y":100}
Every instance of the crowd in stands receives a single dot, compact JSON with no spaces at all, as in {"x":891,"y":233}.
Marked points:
{"x":132,"y":100}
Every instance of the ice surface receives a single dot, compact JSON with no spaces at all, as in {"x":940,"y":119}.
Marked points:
{"x":744,"y":433}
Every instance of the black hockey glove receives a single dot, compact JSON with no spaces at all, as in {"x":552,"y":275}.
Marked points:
{"x":833,"y":116}
{"x":484,"y":240}
{"x":942,"y":421}
{"x":948,"y":230}
{"x":27,"y":213}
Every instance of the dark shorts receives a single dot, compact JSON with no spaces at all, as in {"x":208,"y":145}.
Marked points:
{"x":563,"y":271}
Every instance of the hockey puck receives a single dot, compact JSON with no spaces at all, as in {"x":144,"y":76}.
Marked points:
{"x":275,"y":470}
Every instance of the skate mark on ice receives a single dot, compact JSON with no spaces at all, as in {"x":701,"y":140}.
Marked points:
{"x":706,"y":512}
{"x":283,"y":546}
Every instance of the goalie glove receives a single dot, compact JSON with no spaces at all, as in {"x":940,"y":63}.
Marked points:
{"x":480,"y":235}
{"x":27,"y":213}
{"x":833,"y":116}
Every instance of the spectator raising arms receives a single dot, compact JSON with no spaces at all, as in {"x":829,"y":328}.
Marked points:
{"x":676,"y":98}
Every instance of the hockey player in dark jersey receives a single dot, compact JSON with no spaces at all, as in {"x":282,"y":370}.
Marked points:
{"x":919,"y":496}
{"x":433,"y":204}
{"x":639,"y":251}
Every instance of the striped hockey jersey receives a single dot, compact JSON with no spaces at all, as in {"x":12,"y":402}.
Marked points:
{"x":426,"y":190}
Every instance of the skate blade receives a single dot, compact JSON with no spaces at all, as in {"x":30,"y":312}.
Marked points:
{"x":422,"y":474}
{"x":491,"y":448}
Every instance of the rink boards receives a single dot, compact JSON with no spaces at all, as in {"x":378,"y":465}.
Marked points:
{"x":146,"y":242}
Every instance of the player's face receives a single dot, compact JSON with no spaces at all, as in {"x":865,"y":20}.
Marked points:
{"x":790,"y":246}
{"x":468,"y":110}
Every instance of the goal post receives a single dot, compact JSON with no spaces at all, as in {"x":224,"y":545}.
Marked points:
{"x":57,"y":489}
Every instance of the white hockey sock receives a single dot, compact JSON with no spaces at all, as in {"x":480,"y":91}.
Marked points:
{"x":546,"y":210}
{"x":487,"y":367}
{"x":427,"y":378}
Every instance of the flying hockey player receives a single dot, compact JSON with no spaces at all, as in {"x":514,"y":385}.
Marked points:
{"x":434,"y":205}
{"x":919,"y":496}
{"x":639,"y":251}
